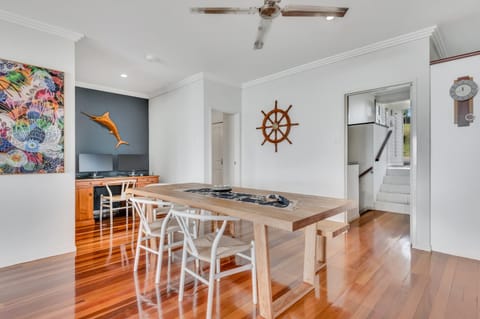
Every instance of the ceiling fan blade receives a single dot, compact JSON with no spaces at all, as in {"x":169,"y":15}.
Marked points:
{"x":263,"y":28}
{"x":313,"y":11}
{"x":221,"y":10}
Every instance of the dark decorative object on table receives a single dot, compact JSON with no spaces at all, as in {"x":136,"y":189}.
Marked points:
{"x":274,"y":200}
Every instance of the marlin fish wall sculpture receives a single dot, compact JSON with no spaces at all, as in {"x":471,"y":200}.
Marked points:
{"x":105,"y":121}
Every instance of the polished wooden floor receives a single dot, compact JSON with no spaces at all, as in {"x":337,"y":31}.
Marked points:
{"x":371,"y":273}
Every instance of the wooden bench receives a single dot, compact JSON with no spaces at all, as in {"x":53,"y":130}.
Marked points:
{"x":327,"y":229}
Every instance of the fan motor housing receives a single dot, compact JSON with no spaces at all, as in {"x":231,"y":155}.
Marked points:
{"x":270,"y":10}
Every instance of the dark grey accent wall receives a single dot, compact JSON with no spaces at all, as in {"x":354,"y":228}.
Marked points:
{"x":130,"y":114}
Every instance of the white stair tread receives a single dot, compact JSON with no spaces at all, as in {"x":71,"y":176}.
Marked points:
{"x":398,"y":180}
{"x":395,"y":188}
{"x":393,"y":207}
{"x":393,"y":197}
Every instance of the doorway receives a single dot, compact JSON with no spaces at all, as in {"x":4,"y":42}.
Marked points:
{"x":378,"y":149}
{"x":225,"y":134}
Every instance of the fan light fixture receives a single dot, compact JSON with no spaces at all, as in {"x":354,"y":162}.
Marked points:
{"x":123,"y":75}
{"x":330,"y":18}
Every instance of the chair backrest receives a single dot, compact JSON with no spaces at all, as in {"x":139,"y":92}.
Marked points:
{"x":184,"y":215}
{"x":125,"y":184}
{"x":160,"y":202}
{"x":140,"y":206}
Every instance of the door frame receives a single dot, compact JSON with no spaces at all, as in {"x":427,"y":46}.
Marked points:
{"x":236,"y":139}
{"x":413,"y":148}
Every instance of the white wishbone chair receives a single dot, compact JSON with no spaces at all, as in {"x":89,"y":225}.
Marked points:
{"x":156,"y":229}
{"x":162,"y":206}
{"x":211,"y":248}
{"x":107,"y":201}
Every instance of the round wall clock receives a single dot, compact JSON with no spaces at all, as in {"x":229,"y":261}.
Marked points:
{"x":463,"y":91}
{"x":276,"y":126}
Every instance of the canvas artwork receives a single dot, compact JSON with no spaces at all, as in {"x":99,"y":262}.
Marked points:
{"x":31,"y":119}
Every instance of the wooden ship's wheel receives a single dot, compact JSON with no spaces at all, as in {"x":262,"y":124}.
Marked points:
{"x":276,"y":126}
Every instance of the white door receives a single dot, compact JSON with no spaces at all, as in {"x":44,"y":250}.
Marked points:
{"x":217,"y":154}
{"x":395,"y":150}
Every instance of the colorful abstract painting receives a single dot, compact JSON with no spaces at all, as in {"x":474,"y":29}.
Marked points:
{"x":31,"y":119}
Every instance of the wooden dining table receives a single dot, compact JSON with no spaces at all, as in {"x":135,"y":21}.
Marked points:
{"x":303,"y":214}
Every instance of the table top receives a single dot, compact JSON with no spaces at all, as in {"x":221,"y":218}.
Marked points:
{"x":308,"y":209}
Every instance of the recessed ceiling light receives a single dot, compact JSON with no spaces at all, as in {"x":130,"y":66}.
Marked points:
{"x":123,"y":75}
{"x":152,"y":58}
{"x":330,"y":18}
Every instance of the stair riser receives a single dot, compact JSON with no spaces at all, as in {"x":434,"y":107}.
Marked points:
{"x":393,"y":207}
{"x":392,"y":188}
{"x":398,"y":172}
{"x":397,"y":180}
{"x":394,"y":198}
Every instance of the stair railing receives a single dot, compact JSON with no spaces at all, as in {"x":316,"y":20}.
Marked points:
{"x":366,"y":172}
{"x":385,"y":141}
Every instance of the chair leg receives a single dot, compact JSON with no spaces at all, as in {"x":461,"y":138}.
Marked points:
{"x":218,"y":268}
{"x":133,"y":214}
{"x":137,"y":252}
{"x":254,"y":273}
{"x":169,"y":243}
{"x":101,"y":210}
{"x":182,"y":274}
{"x":159,"y":259}
{"x":160,"y":250}
{"x":111,"y":213}
{"x":211,"y":287}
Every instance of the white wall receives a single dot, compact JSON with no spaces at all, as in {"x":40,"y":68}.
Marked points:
{"x":177,"y":134}
{"x":230,"y":138}
{"x":361,"y":150}
{"x":227,"y":99}
{"x":361,"y":108}
{"x":37,"y":212}
{"x":353,"y":191}
{"x":180,"y":128}
{"x":455,"y":162}
{"x":364,"y":142}
{"x":316,"y":163}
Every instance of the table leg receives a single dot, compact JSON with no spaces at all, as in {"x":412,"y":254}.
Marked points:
{"x":310,"y":257}
{"x":263,"y":270}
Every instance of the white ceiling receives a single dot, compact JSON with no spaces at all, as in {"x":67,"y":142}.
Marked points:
{"x":119,"y":33}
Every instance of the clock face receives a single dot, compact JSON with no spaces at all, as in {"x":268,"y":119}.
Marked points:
{"x":463,"y":90}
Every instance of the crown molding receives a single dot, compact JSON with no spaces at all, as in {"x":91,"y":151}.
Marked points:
{"x":439,"y":43}
{"x":40,"y":26}
{"x":405,"y":38}
{"x":110,"y":90}
{"x":174,"y":86}
{"x":220,"y":80}
{"x":456,"y":57}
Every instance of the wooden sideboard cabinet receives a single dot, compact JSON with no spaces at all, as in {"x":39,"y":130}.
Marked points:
{"x":84,"y":194}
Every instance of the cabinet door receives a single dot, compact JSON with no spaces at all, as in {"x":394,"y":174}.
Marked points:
{"x":145,"y":180}
{"x":84,"y":203}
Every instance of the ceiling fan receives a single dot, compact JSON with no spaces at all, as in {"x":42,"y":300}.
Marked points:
{"x":270,"y":10}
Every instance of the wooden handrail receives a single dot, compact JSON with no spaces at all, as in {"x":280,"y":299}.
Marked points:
{"x":366,"y":172}
{"x":380,"y":151}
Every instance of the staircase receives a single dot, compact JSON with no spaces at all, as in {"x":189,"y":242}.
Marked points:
{"x":394,"y":194}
